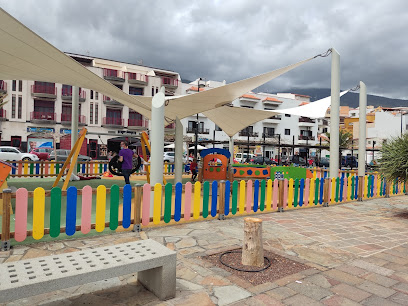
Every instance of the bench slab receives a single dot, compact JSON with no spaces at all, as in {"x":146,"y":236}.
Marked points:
{"x":155,"y":263}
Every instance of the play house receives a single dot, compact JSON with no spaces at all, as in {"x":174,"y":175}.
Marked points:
{"x":214,"y":164}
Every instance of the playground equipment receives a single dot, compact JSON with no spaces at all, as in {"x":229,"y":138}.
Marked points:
{"x":214,"y":164}
{"x":251,"y":171}
{"x":290,"y":172}
{"x":5,"y":169}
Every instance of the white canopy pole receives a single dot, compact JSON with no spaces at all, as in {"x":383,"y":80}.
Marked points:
{"x":178,"y":152}
{"x":335,"y":114}
{"x":157,"y":141}
{"x":231,"y":149}
{"x":74,"y":120}
{"x":362,"y":130}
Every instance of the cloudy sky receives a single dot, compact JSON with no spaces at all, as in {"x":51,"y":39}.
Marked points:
{"x":235,"y":39}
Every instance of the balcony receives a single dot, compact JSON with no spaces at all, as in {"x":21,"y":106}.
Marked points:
{"x":170,"y":83}
{"x":246,"y":133}
{"x":3,"y":87}
{"x":109,"y":101}
{"x":304,"y":137}
{"x":138,"y":123}
{"x":43,"y":117}
{"x":3,"y":115}
{"x":200,"y":131}
{"x":112,"y":122}
{"x":273,"y":119}
{"x":44,"y":91}
{"x":304,"y":121}
{"x":137,"y":78}
{"x":66,"y":119}
{"x":66,"y":94}
{"x":113,"y":75}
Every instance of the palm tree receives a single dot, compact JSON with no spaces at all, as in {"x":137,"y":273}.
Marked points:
{"x":345,"y":139}
{"x":2,"y":97}
{"x":394,"y":159}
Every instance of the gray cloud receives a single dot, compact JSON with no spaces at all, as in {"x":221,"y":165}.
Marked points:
{"x":235,"y":39}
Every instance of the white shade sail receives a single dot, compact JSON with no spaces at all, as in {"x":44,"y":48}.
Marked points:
{"x":199,"y":147}
{"x":26,"y":56}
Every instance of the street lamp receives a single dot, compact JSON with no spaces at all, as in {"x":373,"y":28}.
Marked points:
{"x":196,"y":128}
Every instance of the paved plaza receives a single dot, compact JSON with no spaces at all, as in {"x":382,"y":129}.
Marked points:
{"x":357,"y":253}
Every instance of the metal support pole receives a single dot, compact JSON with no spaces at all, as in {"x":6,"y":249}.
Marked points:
{"x":196,"y":140}
{"x":157,"y":141}
{"x":362,"y":129}
{"x":352,"y":154}
{"x":335,"y":114}
{"x":74,"y":121}
{"x":231,"y":149}
{"x":214,"y":138}
{"x":279,"y":150}
{"x":264,"y":147}
{"x":178,"y":152}
{"x":247,"y":159}
{"x":293,"y":145}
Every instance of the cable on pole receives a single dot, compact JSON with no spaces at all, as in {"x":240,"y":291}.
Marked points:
{"x":324,"y":54}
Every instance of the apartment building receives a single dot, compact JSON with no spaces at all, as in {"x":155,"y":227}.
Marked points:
{"x":287,"y":129}
{"x":40,"y":110}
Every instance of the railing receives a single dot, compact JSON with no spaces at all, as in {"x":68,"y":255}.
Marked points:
{"x":112,"y":73}
{"x":305,"y":119}
{"x":43,"y":116}
{"x":304,"y":137}
{"x":251,"y":134}
{"x":3,"y":113}
{"x":275,"y":118}
{"x":170,"y":82}
{"x":3,"y":86}
{"x":44,"y":89}
{"x":112,"y":121}
{"x":138,"y":122}
{"x":67,"y":92}
{"x":200,"y":131}
{"x":174,"y":203}
{"x":137,"y":77}
{"x":68,"y":118}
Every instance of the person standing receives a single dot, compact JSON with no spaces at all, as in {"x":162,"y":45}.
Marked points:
{"x":193,"y":169}
{"x":126,"y":158}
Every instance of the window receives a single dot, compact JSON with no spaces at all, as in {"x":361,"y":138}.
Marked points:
{"x":118,"y":86}
{"x":13,"y":106}
{"x":135,"y":115}
{"x":20,"y":85}
{"x":287,"y":115}
{"x":245,"y":106}
{"x":191,"y":126}
{"x":14,"y":85}
{"x":135,"y":91}
{"x":287,"y":131}
{"x":91,"y":94}
{"x":96,"y":113}
{"x":20,"y":106}
{"x":269,"y":131}
{"x":152,"y":91}
{"x":91,"y":113}
{"x":369,"y":142}
{"x":324,"y":130}
{"x":217,"y":128}
{"x":96,"y":95}
{"x":157,"y":89}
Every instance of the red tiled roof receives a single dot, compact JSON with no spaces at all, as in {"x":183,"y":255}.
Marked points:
{"x":250,"y":97}
{"x":302,"y":96}
{"x":272,"y":99}
{"x":303,"y":103}
{"x":193,"y":88}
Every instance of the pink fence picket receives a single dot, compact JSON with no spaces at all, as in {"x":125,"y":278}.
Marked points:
{"x":275,"y":194}
{"x":307,"y":190}
{"x":187,"y":202}
{"x":285,"y":193}
{"x":249,"y":196}
{"x":21,"y":214}
{"x":146,"y":204}
{"x":86,"y":213}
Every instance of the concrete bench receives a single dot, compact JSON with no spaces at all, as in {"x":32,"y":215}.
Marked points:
{"x":155,"y":264}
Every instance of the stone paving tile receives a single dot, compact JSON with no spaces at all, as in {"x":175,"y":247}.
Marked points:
{"x":372,"y":267}
{"x":300,"y":299}
{"x":281,"y":293}
{"x":400,"y":298}
{"x":377,"y":301}
{"x":381,"y":280}
{"x":343,"y":277}
{"x":338,"y":300}
{"x":376,"y":289}
{"x":311,"y":290}
{"x":350,"y":292}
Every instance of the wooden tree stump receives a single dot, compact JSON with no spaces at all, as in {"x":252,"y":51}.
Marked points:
{"x":252,"y":250}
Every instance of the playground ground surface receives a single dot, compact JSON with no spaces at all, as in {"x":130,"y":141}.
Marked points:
{"x":357,"y":253}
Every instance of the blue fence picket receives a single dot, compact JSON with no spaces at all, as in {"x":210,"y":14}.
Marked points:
{"x":256,"y":195}
{"x":227,"y":197}
{"x":70,"y":221}
{"x":301,"y":191}
{"x":214,"y":197}
{"x":177,"y":202}
{"x":127,"y":205}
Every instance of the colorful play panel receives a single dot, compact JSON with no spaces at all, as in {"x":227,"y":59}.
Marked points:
{"x":251,"y":171}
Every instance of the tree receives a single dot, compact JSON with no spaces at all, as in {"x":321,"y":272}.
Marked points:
{"x":393,"y":163}
{"x":345,"y":138}
{"x":2,"y":97}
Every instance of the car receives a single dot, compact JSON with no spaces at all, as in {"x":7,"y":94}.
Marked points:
{"x":168,"y":157}
{"x":260,"y":160}
{"x":242,"y":157}
{"x":62,"y":155}
{"x":324,"y":162}
{"x":14,"y":154}
{"x":349,"y":161}
{"x":287,"y":160}
{"x":42,"y":153}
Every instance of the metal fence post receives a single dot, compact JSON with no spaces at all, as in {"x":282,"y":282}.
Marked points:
{"x":137,"y":200}
{"x":326,"y":195}
{"x":360,"y":188}
{"x":5,"y":230}
{"x":221,"y":206}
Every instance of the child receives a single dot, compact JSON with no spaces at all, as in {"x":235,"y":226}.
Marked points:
{"x":193,"y":169}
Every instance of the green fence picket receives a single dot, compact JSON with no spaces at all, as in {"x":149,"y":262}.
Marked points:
{"x":55,"y":212}
{"x":234,"y":202}
{"x":336,"y":197}
{"x":296,"y":193}
{"x":114,"y":207}
{"x":316,"y":199}
{"x":262,"y":203}
{"x":31,"y":168}
{"x":206,"y":195}
{"x":168,"y":191}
